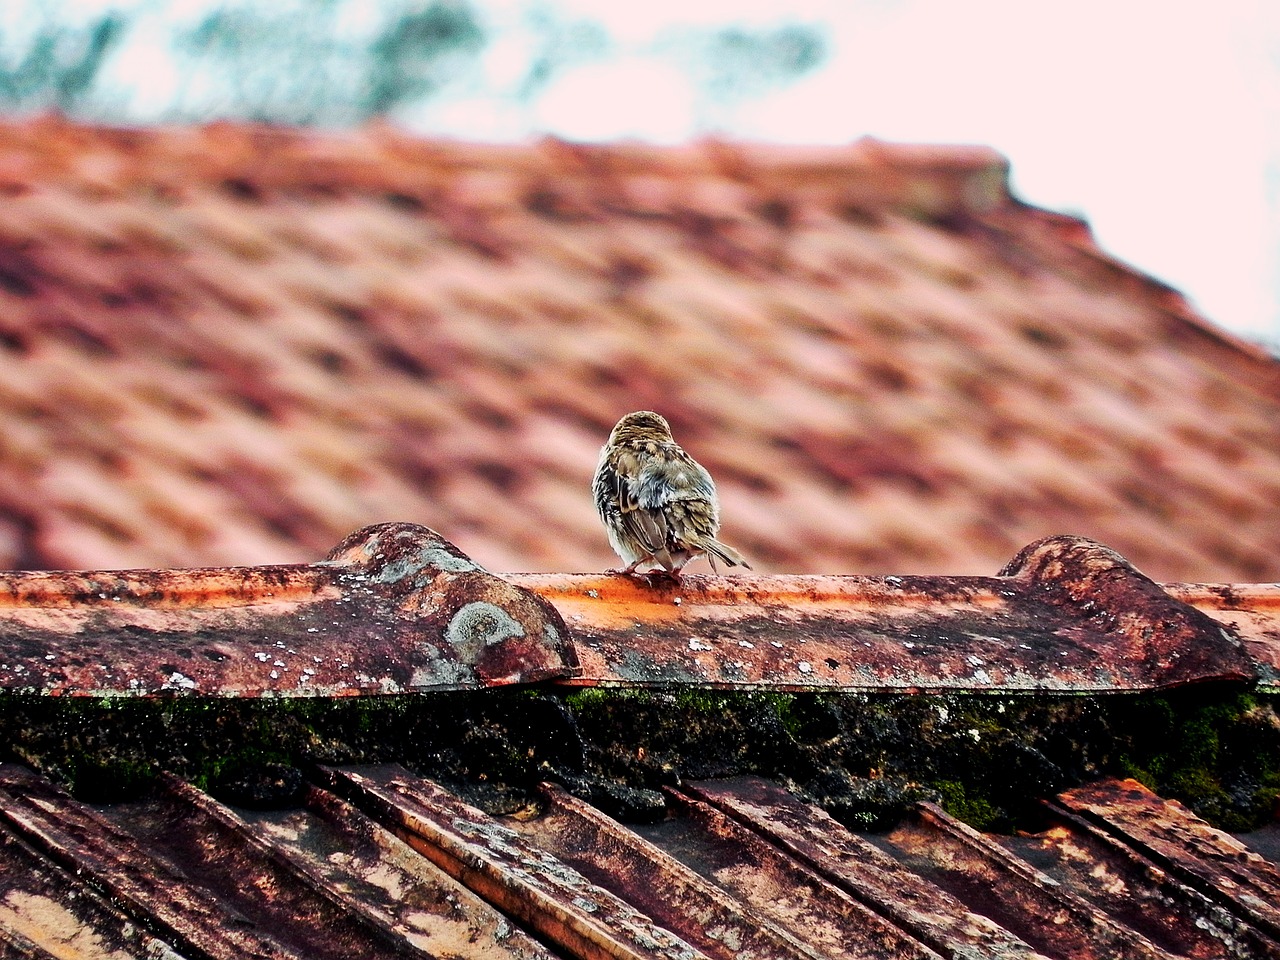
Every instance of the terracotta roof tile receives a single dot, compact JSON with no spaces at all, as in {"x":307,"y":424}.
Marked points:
{"x":371,"y":313}
{"x":1065,"y":615}
{"x":378,"y":862}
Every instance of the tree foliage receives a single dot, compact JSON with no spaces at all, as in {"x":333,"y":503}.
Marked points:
{"x":742,"y":63}
{"x":54,"y":64}
{"x":338,"y":62}
{"x":309,"y":67}
{"x":560,"y":43}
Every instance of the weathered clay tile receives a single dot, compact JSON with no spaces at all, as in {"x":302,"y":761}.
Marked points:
{"x":377,"y":861}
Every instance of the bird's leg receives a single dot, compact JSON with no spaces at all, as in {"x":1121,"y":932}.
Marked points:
{"x":660,"y":574}
{"x":630,"y":569}
{"x":672,"y":573}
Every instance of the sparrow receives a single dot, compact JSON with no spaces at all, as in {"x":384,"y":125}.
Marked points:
{"x":658,"y":504}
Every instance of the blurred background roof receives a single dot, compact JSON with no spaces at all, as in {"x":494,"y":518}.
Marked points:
{"x":1160,"y":129}
{"x":236,"y":344}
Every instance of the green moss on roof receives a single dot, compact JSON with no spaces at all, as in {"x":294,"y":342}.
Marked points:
{"x":987,"y":760}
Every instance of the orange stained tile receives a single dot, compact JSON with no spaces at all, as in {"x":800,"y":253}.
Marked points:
{"x":1032,"y":628}
{"x":887,"y":633}
{"x":1251,"y":611}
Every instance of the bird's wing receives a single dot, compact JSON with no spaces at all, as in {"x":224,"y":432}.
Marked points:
{"x":645,"y":523}
{"x":669,"y":476}
{"x":675,"y":489}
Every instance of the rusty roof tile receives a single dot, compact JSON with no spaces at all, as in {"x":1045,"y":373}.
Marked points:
{"x":379,"y":862}
{"x":398,"y":609}
{"x":44,"y":913}
{"x":1177,"y":841}
{"x":1194,"y":892}
{"x":114,"y":861}
{"x":329,"y":853}
{"x":1250,"y":611}
{"x":817,"y":911}
{"x":641,"y":873}
{"x":995,"y":882}
{"x":1065,"y":614}
{"x":393,"y":609}
{"x":514,"y":874}
{"x":859,"y":868}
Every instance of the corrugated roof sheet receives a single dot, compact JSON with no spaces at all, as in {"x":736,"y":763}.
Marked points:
{"x":233,"y":344}
{"x":398,"y":609}
{"x":380,"y":863}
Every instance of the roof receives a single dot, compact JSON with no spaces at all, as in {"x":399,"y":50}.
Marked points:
{"x":378,"y":862}
{"x":233,"y":344}
{"x":398,"y":609}
{"x":299,"y":857}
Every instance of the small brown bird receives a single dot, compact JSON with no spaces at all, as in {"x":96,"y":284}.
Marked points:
{"x":658,"y":504}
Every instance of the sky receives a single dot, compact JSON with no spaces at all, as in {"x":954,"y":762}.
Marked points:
{"x":1158,"y":123}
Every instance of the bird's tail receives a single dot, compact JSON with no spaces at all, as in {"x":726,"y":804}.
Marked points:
{"x":725,"y":552}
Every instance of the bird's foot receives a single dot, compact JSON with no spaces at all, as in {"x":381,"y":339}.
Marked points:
{"x":627,"y":571}
{"x":634,"y":574}
{"x":655,"y":577}
{"x":660,"y":576}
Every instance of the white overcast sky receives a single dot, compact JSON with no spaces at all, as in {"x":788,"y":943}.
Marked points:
{"x":1159,"y":122}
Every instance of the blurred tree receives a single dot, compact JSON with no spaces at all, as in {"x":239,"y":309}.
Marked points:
{"x":418,"y":51}
{"x":47,"y":63}
{"x":313,"y":65}
{"x":559,"y":44}
{"x":340,"y":62}
{"x":739,"y":63}
{"x":734,"y":64}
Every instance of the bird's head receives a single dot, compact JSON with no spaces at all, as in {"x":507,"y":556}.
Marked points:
{"x":641,"y":425}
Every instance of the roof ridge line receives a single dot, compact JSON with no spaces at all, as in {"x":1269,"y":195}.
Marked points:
{"x":396,"y":608}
